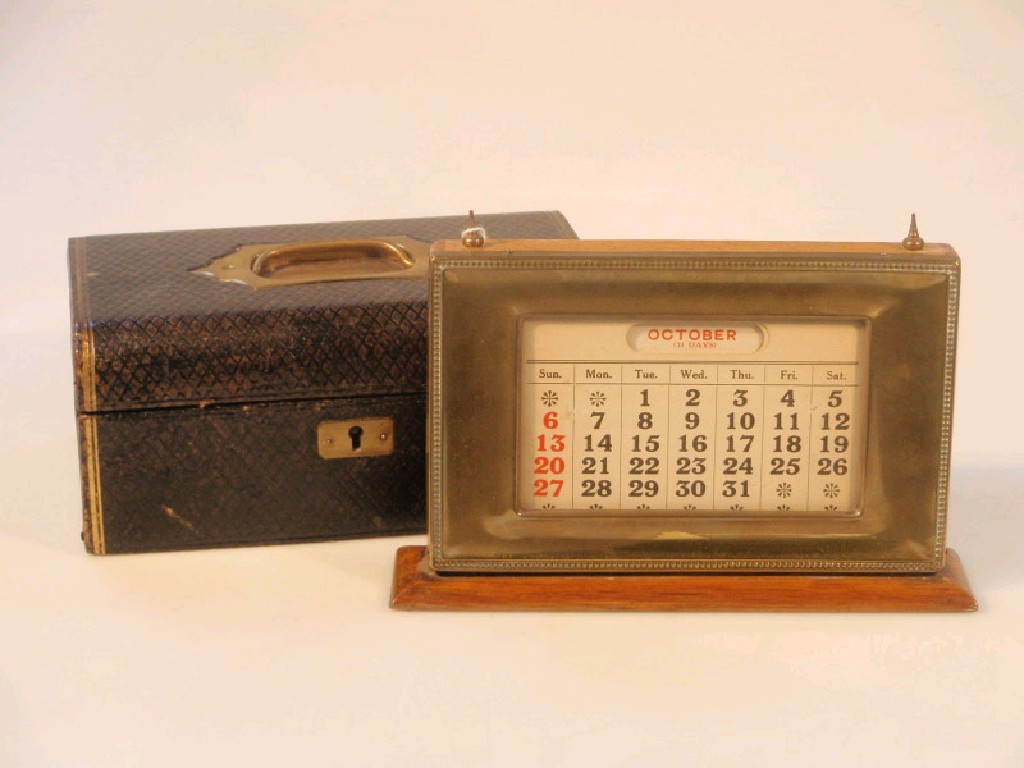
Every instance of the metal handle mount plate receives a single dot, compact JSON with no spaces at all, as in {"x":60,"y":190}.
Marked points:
{"x":274,"y":265}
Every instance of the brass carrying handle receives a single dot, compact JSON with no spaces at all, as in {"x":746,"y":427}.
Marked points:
{"x":274,"y":265}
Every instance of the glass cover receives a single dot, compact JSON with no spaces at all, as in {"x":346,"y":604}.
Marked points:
{"x":724,"y":418}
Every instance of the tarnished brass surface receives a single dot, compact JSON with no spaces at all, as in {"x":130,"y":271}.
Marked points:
{"x":270,"y":265}
{"x":479,"y":296}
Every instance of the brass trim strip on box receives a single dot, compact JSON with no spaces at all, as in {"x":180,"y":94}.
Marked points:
{"x":93,"y":501}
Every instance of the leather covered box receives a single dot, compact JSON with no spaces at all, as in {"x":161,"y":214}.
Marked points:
{"x":224,"y":377}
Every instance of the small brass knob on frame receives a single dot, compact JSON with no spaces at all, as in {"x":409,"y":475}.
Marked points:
{"x":474,"y":236}
{"x":913,"y":241}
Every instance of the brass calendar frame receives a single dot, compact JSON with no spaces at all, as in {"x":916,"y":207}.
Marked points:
{"x":480,"y":294}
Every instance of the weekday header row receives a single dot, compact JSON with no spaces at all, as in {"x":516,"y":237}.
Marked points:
{"x":840,"y":374}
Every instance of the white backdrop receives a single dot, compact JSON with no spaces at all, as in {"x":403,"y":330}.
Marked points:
{"x":787,"y":120}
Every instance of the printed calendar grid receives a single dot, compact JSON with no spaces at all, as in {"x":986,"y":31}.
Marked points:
{"x":660,"y":444}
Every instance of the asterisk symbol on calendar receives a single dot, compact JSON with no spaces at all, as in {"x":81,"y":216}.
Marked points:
{"x":831,"y":508}
{"x":785,"y":490}
{"x":783,"y":507}
{"x":597,"y":399}
{"x":831,"y":490}
{"x":549,"y":397}
{"x":736,"y":507}
{"x":643,"y":506}
{"x":548,"y":506}
{"x":596,"y":506}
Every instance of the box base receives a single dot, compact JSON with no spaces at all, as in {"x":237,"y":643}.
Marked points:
{"x":418,"y":588}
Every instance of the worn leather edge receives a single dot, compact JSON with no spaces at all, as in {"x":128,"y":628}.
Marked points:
{"x":555,"y":215}
{"x":562,"y":222}
{"x":82,"y":347}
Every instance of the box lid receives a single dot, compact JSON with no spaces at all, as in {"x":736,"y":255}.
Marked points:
{"x":150,"y":332}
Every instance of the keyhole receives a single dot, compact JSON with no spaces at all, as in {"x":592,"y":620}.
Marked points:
{"x":356,"y":434}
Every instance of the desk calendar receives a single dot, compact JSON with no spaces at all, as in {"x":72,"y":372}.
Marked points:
{"x":689,"y":425}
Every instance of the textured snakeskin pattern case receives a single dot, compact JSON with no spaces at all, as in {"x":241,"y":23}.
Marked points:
{"x":198,"y":401}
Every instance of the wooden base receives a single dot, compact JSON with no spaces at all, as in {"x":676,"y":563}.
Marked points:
{"x":417,"y":588}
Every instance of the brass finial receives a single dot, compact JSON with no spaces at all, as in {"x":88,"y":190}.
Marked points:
{"x":913,"y":241}
{"x":473,"y":236}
